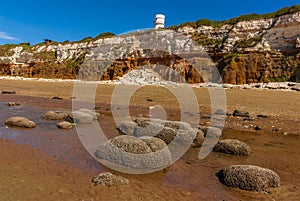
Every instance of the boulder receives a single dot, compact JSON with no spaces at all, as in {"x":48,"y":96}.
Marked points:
{"x":248,"y":177}
{"x":154,"y":143}
{"x":137,"y":153}
{"x":233,"y":147}
{"x":108,"y":179}
{"x":179,"y":125}
{"x":167,"y":135}
{"x":199,"y":139}
{"x":20,"y":122}
{"x":184,"y":137}
{"x":93,"y":113}
{"x":131,"y":145}
{"x":55,"y":115}
{"x":150,"y":130}
{"x":79,"y":118}
{"x":65,"y":125}
{"x":239,"y":113}
{"x":127,"y":127}
{"x":12,"y":104}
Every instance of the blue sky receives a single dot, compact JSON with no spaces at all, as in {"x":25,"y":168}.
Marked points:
{"x":34,"y":20}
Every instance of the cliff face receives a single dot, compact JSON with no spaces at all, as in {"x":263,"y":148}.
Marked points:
{"x":259,"y":50}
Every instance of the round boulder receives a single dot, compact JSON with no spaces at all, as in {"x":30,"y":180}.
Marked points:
{"x":248,"y":177}
{"x":20,"y":122}
{"x":127,"y":127}
{"x":150,"y":130}
{"x":108,"y":179}
{"x":55,"y":115}
{"x":93,"y":113}
{"x":79,"y":118}
{"x":167,"y":135}
{"x":199,"y":139}
{"x":233,"y":147}
{"x":65,"y":125}
{"x":137,"y":153}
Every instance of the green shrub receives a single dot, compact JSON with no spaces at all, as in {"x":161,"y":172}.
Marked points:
{"x":76,"y":62}
{"x":277,"y":79}
{"x":6,"y":49}
{"x":45,"y":56}
{"x":248,"y":42}
{"x":104,"y":35}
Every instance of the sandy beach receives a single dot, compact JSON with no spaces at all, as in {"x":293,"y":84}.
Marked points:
{"x":46,"y":163}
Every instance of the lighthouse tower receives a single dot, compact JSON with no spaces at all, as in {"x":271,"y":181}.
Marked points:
{"x":159,"y":21}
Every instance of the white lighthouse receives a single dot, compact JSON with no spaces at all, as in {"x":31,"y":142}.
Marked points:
{"x":159,"y":21}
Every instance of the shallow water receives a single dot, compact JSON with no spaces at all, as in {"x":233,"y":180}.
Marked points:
{"x":61,"y":144}
{"x":276,"y":152}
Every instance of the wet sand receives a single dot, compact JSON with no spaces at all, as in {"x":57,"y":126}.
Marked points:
{"x":46,"y":163}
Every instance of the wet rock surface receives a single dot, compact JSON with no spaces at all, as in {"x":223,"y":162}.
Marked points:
{"x":137,"y":153}
{"x":55,"y":115}
{"x":11,"y":104}
{"x":168,"y":131}
{"x":248,"y":177}
{"x":22,"y":122}
{"x":65,"y":125}
{"x":108,"y":179}
{"x":233,"y":147}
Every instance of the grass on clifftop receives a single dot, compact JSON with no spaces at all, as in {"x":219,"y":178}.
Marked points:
{"x":247,"y":17}
{"x":6,"y":49}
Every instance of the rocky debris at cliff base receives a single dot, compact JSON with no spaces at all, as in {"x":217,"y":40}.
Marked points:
{"x":137,"y":153}
{"x":11,"y":104}
{"x":140,"y":77}
{"x":65,"y":125}
{"x":296,"y":88}
{"x":55,"y":115}
{"x":233,"y":147}
{"x":22,"y":122}
{"x":282,"y":86}
{"x":108,"y":179}
{"x":248,"y":177}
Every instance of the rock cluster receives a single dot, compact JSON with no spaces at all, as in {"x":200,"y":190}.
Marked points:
{"x":82,"y":116}
{"x":168,"y":131}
